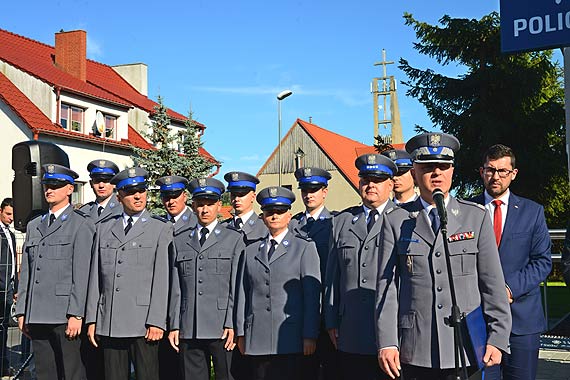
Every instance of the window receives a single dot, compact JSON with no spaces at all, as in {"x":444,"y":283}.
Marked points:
{"x":71,"y":118}
{"x":110,"y":126}
{"x":77,"y":195}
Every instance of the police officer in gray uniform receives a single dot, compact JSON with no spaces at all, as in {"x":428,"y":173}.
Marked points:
{"x":202,"y":293}
{"x":404,"y":189}
{"x":279,"y":288}
{"x":128,"y":283}
{"x":173,"y":196}
{"x":53,"y":282}
{"x":242,"y":195}
{"x":316,"y":223}
{"x":105,"y":203}
{"x":352,"y":270}
{"x":413,"y":296}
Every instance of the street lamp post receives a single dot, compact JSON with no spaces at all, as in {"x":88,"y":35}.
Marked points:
{"x":282,"y":95}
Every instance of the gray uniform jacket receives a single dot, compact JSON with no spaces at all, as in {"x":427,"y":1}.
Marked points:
{"x":278,"y":300}
{"x":413,"y":296}
{"x":187,"y":220}
{"x":113,"y":208}
{"x":319,"y":232}
{"x":55,"y":268}
{"x":128,"y":282}
{"x":350,"y":281}
{"x":203,"y":282}
{"x":254,"y":229}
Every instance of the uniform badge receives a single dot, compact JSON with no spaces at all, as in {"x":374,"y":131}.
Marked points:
{"x":168,"y":181}
{"x":414,"y":214}
{"x":235,"y":176}
{"x":63,"y":217}
{"x":307,"y":172}
{"x":143,"y":220}
{"x":354,"y":219}
{"x":435,"y":140}
{"x":455,"y":211}
{"x":392,"y":155}
{"x":371,"y":159}
{"x":184,"y":217}
{"x":134,"y":243}
{"x":262,"y":245}
{"x":112,"y":204}
{"x":102,"y":163}
{"x":468,"y":235}
{"x":202,"y":182}
{"x":192,"y":233}
{"x":132,"y":173}
{"x":272,"y":192}
{"x":217,"y":231}
{"x":51,"y":169}
{"x":250,"y":222}
{"x":285,"y":243}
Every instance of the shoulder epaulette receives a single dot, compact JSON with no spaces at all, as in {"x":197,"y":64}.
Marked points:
{"x":348,"y":209}
{"x":230,"y":226}
{"x":334,"y":213}
{"x":469,"y":203}
{"x":79,"y":212}
{"x":304,"y":237}
{"x":158,"y":217}
{"x":391,"y":209}
{"x":227,"y":220}
{"x":298,"y":215}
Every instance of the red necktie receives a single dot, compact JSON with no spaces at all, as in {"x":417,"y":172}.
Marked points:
{"x":498,"y":220}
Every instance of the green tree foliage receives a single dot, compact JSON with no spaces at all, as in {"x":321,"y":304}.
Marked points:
{"x":165,"y":159}
{"x":515,"y":99}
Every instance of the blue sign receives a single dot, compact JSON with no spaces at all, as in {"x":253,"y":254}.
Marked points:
{"x":534,"y":24}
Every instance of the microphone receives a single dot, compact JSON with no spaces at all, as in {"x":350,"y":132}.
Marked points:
{"x":438,"y":197}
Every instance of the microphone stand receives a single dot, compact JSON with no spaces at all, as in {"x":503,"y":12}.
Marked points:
{"x":456,"y":316}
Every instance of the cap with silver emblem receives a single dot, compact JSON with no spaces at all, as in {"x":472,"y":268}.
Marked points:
{"x":311,"y":177}
{"x":171,"y":185}
{"x":401,"y":158}
{"x":375,"y":165}
{"x":206,"y":188}
{"x":102,"y":169}
{"x":275,"y":197}
{"x":55,"y":174}
{"x":129,"y":178}
{"x":433,"y":147}
{"x":241,"y":181}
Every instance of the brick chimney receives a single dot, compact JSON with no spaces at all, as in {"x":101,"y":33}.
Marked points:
{"x":71,"y":53}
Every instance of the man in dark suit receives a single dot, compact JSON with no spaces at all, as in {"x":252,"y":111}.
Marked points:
{"x":316,"y":223}
{"x":524,"y":249}
{"x":350,"y":280}
{"x":8,"y":277}
{"x":565,"y":263}
{"x":54,"y":279}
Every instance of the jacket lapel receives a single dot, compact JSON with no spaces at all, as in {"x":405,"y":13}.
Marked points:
{"x":118,"y":230}
{"x":422,"y":227}
{"x":213,"y":238}
{"x":261,"y":254}
{"x":282,"y":248}
{"x":513,"y":215}
{"x":139,"y":226}
{"x":358,"y":224}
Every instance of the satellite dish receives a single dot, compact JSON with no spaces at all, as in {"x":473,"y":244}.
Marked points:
{"x":100,"y":122}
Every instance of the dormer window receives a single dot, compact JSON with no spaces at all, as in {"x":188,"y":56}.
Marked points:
{"x":71,"y":118}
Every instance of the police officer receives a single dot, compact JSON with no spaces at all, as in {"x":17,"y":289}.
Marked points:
{"x":413,"y":296}
{"x":53,"y":282}
{"x":105,"y":203}
{"x":404,"y":189}
{"x":128,"y":283}
{"x":277,"y":317}
{"x":173,"y":196}
{"x":352,"y":270}
{"x":316,"y":223}
{"x":202,"y":295}
{"x":242,"y":195}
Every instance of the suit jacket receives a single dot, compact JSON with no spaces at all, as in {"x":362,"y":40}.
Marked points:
{"x":350,"y":280}
{"x":253,"y":230}
{"x":55,"y":268}
{"x":187,"y":220}
{"x":526,"y":261}
{"x":319,"y":232}
{"x":113,"y":208}
{"x":565,"y":263}
{"x":203,"y":282}
{"x":7,"y":261}
{"x":128,"y":281}
{"x":412,"y":294}
{"x":278,"y":299}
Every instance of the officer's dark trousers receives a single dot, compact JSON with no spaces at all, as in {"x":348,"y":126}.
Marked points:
{"x":411,"y":372}
{"x":361,"y":367}
{"x":168,"y":361}
{"x":195,"y":359}
{"x":521,"y":363}
{"x":241,"y":366}
{"x":324,"y":363}
{"x":118,"y":351}
{"x":276,"y":367}
{"x":55,"y":356}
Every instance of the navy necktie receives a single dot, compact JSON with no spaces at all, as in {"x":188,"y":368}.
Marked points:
{"x":271,"y":249}
{"x":51,"y":219}
{"x":203,"y":235}
{"x":434,"y":218}
{"x":371,"y":219}
{"x":129,"y":225}
{"x":99,"y":210}
{"x":310,"y":222}
{"x":237,"y":223}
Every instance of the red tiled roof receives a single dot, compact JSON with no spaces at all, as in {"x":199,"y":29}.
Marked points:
{"x":37,"y":59}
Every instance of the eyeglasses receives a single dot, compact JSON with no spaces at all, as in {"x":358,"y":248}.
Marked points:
{"x":490,"y":172}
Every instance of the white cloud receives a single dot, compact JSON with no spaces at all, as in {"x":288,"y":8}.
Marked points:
{"x":94,"y":49}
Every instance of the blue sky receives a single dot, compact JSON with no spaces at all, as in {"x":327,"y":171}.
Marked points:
{"x":229,"y":59}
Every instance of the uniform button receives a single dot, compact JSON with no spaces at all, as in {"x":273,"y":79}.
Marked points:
{"x":120,"y":261}
{"x":268,"y":309}
{"x":440,"y":306}
{"x":363,"y":264}
{"x":200,"y":281}
{"x":464,"y":250}
{"x":366,"y":248}
{"x":118,"y":290}
{"x":267,"y":283}
{"x":37,"y":281}
{"x":200,"y":269}
{"x":408,"y":250}
{"x":438,"y":271}
{"x":40,"y":256}
{"x":38,"y":268}
{"x":200,"y":257}
{"x":122,"y":249}
{"x":200,"y":293}
{"x":267,"y":271}
{"x":118,"y":275}
{"x":439,"y":289}
{"x":43,"y":244}
{"x":267,"y":296}
{"x":363,"y":280}
{"x":437,"y":254}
